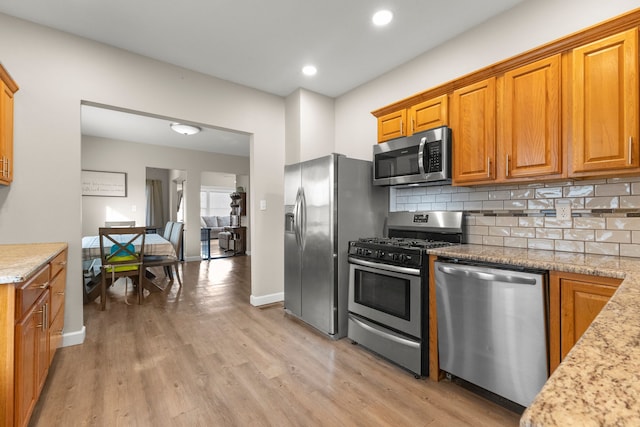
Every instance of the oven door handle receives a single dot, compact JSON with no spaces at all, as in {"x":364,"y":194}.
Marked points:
{"x":487,"y":277}
{"x":387,"y":267}
{"x":385,"y":335}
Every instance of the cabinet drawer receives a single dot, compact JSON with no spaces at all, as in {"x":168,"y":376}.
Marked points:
{"x":57,"y":293}
{"x":28,"y":292}
{"x":58,"y":263}
{"x":55,"y":333}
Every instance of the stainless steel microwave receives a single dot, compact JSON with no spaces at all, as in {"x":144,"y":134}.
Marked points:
{"x":424,"y":157}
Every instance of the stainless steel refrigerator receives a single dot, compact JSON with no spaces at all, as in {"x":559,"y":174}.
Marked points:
{"x":329,"y":201}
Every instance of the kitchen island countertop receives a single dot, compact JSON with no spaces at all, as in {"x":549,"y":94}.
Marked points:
{"x":598,"y":382}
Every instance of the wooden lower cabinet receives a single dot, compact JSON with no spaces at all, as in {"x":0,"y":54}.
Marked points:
{"x":31,"y":323}
{"x":574,"y":301}
{"x":57,"y":285}
{"x":31,"y":358}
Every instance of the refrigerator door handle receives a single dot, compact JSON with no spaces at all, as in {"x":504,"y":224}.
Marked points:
{"x":296,"y":218}
{"x":302,"y":225}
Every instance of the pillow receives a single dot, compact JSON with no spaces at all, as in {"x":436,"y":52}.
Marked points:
{"x":210,"y":221}
{"x":224,"y":221}
{"x":202,"y":223}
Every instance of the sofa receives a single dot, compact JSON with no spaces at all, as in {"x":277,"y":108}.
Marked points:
{"x":215,"y":224}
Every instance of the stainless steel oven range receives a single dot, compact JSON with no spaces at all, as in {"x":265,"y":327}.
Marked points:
{"x":388,"y":286}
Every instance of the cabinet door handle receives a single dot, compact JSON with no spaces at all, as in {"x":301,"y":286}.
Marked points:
{"x":630,"y":150}
{"x":413,"y":125}
{"x":36,"y":285}
{"x":507,"y":166}
{"x":62,"y":263}
{"x":401,"y":127}
{"x":488,"y":167}
{"x":44,"y":310}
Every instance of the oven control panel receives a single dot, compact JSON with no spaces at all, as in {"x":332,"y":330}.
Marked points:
{"x":407,"y":257}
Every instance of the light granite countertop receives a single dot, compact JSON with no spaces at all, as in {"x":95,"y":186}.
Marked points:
{"x":598,"y":383}
{"x":18,"y":262}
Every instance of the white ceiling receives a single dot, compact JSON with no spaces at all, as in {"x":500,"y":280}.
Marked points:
{"x":264,"y":44}
{"x":145,"y":129}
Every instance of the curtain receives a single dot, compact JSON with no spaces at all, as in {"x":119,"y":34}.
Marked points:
{"x":155,"y":216}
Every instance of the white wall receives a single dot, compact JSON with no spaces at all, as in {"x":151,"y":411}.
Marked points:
{"x":310,"y":126}
{"x":215,"y":179}
{"x":55,"y":72}
{"x":132,"y":158}
{"x":316,"y":125}
{"x":293,"y":130}
{"x":526,"y":26}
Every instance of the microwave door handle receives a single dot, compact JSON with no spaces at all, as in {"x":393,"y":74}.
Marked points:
{"x":423,"y":142}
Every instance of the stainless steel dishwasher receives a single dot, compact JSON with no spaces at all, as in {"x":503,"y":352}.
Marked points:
{"x":492,"y":328}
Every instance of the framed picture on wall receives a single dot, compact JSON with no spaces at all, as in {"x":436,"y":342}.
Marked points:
{"x":105,"y":184}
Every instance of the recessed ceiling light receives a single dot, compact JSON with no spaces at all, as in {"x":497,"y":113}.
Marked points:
{"x":382,"y":17}
{"x":309,"y":70}
{"x":184,"y":129}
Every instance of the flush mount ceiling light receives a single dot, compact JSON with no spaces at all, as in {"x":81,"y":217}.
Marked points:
{"x":382,"y":17}
{"x":184,"y":129}
{"x":309,"y":70}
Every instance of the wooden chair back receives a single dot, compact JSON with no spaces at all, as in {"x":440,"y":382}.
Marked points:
{"x":121,"y":254}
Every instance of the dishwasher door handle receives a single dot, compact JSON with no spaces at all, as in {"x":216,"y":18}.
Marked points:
{"x":490,"y":277}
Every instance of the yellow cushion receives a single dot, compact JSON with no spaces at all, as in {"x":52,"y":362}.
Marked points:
{"x":122,"y":267}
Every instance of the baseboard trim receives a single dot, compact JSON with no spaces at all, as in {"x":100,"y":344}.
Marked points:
{"x":266,"y":299}
{"x":74,"y":338}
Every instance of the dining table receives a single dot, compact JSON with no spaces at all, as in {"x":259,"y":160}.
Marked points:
{"x":154,"y":244}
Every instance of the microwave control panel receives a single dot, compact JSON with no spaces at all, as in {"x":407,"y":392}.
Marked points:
{"x":434,"y":157}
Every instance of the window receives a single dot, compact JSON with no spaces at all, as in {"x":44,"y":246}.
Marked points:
{"x":215,"y":201}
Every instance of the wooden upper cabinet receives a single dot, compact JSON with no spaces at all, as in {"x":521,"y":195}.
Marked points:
{"x":429,"y":114}
{"x":392,"y":125}
{"x":417,"y":118}
{"x":530,"y":132}
{"x":7,"y":89}
{"x":605,"y":102}
{"x":473,"y":124}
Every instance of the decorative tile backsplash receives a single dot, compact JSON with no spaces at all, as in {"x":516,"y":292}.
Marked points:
{"x":605,"y":214}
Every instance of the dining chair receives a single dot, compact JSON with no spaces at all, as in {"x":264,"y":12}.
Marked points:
{"x":168,"y":261}
{"x":167,"y":230}
{"x":120,"y":258}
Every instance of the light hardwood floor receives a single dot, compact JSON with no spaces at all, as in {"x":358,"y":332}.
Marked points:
{"x":201,"y":355}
